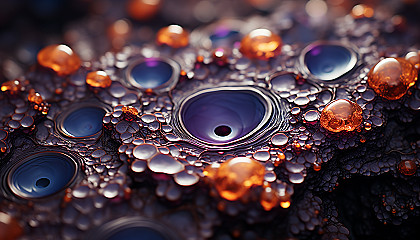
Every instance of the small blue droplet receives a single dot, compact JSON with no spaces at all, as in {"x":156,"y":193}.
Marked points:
{"x":151,"y":73}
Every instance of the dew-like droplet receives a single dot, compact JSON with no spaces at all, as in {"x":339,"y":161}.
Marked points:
{"x":280,"y":139}
{"x":59,"y":58}
{"x":162,"y":163}
{"x":144,"y":151}
{"x":341,"y":115}
{"x":261,"y":44}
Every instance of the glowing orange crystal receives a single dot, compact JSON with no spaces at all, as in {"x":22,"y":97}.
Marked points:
{"x":407,"y":167}
{"x":9,"y":227}
{"x":143,"y":9}
{"x":12,"y":86}
{"x":236,"y":176}
{"x":34,"y":97}
{"x":362,"y":11}
{"x":269,"y":199}
{"x":392,"y":77}
{"x":98,"y":79}
{"x":261,"y":44}
{"x":341,"y":115}
{"x":174,"y":36}
{"x":59,"y":58}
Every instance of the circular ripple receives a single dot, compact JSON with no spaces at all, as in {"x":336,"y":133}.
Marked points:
{"x":153,"y":73}
{"x":42,"y":174}
{"x":226,"y":116}
{"x":133,"y":228}
{"x":327,"y":61}
{"x":81,"y":122}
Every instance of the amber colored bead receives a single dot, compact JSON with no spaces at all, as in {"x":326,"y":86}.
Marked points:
{"x":34,"y":97}
{"x":98,"y":79}
{"x":341,"y":115}
{"x":9,"y":227}
{"x":130,"y":110}
{"x":362,"y":11}
{"x":392,"y":77}
{"x":143,"y":9}
{"x":407,"y":167}
{"x":261,"y":44}
{"x":269,"y":199}
{"x":236,"y":176}
{"x":12,"y":86}
{"x":220,"y":56}
{"x":59,"y":58}
{"x":174,"y":36}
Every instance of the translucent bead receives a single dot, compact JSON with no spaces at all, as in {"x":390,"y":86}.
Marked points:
{"x":174,"y":36}
{"x":261,"y":44}
{"x":34,"y":97}
{"x":59,"y":58}
{"x":98,"y":79}
{"x":143,"y":9}
{"x":12,"y":86}
{"x":392,"y":77}
{"x":407,"y":167}
{"x":236,"y":176}
{"x":341,"y":115}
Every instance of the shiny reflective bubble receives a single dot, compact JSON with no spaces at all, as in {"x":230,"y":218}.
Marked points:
{"x":152,"y":73}
{"x":225,"y":115}
{"x":42,"y":174}
{"x":327,"y":61}
{"x":83,"y":122}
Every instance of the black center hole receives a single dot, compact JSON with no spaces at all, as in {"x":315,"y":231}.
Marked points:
{"x":42,"y":182}
{"x":222,"y":130}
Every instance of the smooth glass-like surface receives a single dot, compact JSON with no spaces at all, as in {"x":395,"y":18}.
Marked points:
{"x":223,"y":116}
{"x":83,"y":122}
{"x":151,"y":73}
{"x":224,"y":37}
{"x":328,"y":62}
{"x":137,"y":233}
{"x":42,"y":175}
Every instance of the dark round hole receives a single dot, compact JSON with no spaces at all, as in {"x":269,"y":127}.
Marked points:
{"x":42,"y":182}
{"x":328,"y":61}
{"x":222,"y":131}
{"x":42,"y":174}
{"x":223,"y":116}
{"x":83,"y":122}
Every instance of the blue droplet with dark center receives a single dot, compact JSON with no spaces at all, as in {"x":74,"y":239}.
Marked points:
{"x":137,"y":233}
{"x":42,"y":175}
{"x":329,"y":62}
{"x":83,"y":122}
{"x":223,"y":116}
{"x":224,"y":37}
{"x":151,"y":73}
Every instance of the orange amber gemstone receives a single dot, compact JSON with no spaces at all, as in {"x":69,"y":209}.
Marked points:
{"x":59,"y":58}
{"x":98,"y":79}
{"x":12,"y":86}
{"x":261,"y":44}
{"x":341,"y":115}
{"x":143,"y":9}
{"x":391,"y":77}
{"x":362,"y":11}
{"x":130,"y":110}
{"x":269,"y":199}
{"x":34,"y":97}
{"x":407,"y":167}
{"x":174,"y":36}
{"x":236,"y":176}
{"x":9,"y":227}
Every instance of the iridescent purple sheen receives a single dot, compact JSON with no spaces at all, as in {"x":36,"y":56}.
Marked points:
{"x":224,"y":37}
{"x":151,"y":73}
{"x":237,"y":112}
{"x":328,"y":62}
